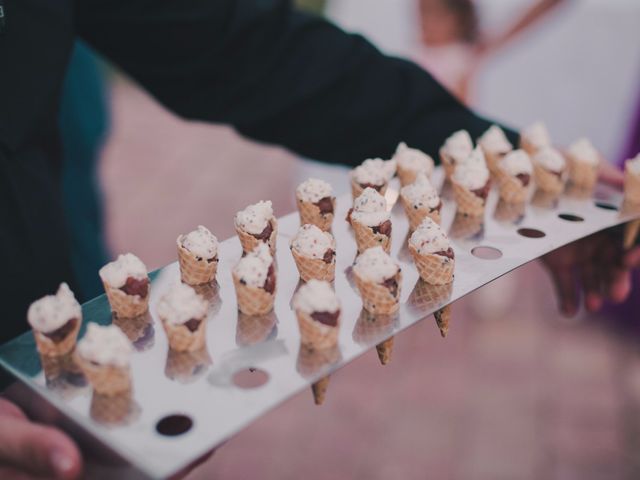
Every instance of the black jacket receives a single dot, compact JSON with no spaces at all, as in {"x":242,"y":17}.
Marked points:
{"x":276,"y":75}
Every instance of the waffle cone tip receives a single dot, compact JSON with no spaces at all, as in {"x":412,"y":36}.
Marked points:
{"x":385,"y":349}
{"x":319,"y":390}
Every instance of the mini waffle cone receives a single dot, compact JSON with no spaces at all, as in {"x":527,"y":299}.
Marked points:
{"x":105,"y":379}
{"x":252,"y":300}
{"x":433,"y":269}
{"x":546,"y":180}
{"x":427,"y":297}
{"x":509,"y":212}
{"x":123,"y":305}
{"x":468,"y":202}
{"x":443,"y":316}
{"x":315,"y":268}
{"x":48,"y":347}
{"x":310,"y":214}
{"x":385,"y":349}
{"x":371,"y":329}
{"x":582,"y":174}
{"x":194,"y":271}
{"x":186,"y":367}
{"x":448,"y":164}
{"x":631,"y":186}
{"x":249,"y":242}
{"x":315,"y":334}
{"x":417,"y":215}
{"x":465,"y":226}
{"x":377,"y":298}
{"x":181,"y":339}
{"x":366,"y":238}
{"x":319,"y":390}
{"x":111,"y":409}
{"x":252,"y":329}
{"x":511,"y":188}
{"x":356,"y":189}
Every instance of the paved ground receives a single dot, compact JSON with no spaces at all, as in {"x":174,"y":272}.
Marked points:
{"x":514,"y":392}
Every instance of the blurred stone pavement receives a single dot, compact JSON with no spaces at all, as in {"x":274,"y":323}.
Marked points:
{"x":514,"y":391}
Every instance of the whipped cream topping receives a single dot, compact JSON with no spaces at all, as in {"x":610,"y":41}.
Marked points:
{"x":370,"y":208}
{"x":472,"y":173}
{"x":181,"y":304}
{"x":51,"y":312}
{"x":375,"y":265}
{"x":252,"y":269}
{"x":313,"y":190}
{"x":420,"y":193}
{"x":458,"y":146}
{"x":413,"y":159}
{"x":633,"y":165}
{"x":517,"y":162}
{"x":429,"y":238}
{"x":201,"y":242}
{"x":312,"y":242}
{"x":254,"y":218}
{"x":495,"y":141}
{"x":582,"y":150}
{"x":316,"y":296}
{"x":537,"y":135}
{"x":105,"y":345}
{"x":115,"y":273}
{"x":550,"y":159}
{"x":374,"y":171}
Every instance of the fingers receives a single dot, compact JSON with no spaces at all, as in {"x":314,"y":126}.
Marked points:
{"x":37,"y":449}
{"x":591,"y":285}
{"x":10,"y":409}
{"x":15,"y":474}
{"x":565,"y":283}
{"x":632,"y":258}
{"x":619,"y":285}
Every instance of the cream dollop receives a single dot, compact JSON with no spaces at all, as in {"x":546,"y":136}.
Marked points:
{"x":420,"y":193}
{"x":105,"y":345}
{"x":495,"y":141}
{"x":537,"y":135}
{"x":313,"y":190}
{"x":316,"y":296}
{"x":252,"y":269}
{"x":413,"y":159}
{"x":582,"y":150}
{"x":254,"y":218}
{"x":51,"y":312}
{"x":458,"y":146}
{"x":375,"y":265}
{"x":181,"y":304}
{"x":517,"y":162}
{"x":312,"y":242}
{"x":633,"y":165}
{"x":115,"y":273}
{"x":370,"y":208}
{"x":550,"y":159}
{"x":201,"y":242}
{"x":429,"y":238}
{"x":472,"y":173}
{"x":374,"y":171}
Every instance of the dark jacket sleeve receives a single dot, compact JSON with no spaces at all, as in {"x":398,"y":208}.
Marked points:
{"x":276,"y":75}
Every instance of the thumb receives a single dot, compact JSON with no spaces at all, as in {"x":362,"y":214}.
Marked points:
{"x":37,"y":449}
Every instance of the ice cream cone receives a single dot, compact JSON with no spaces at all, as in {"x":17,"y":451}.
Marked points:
{"x":317,"y":268}
{"x":443,"y":316}
{"x":252,"y":329}
{"x":582,"y":174}
{"x":107,"y":380}
{"x":194,"y":271}
{"x":546,"y":180}
{"x":319,"y":390}
{"x":631,"y":186}
{"x":47,"y":347}
{"x":433,"y":269}
{"x":465,"y":226}
{"x":367,"y":238}
{"x":511,"y":188}
{"x":310,"y":214}
{"x":186,"y":366}
{"x":123,"y":305}
{"x":385,"y":349}
{"x":253,"y":300}
{"x":181,"y":339}
{"x":112,"y":409}
{"x":356,"y":189}
{"x":249,"y":242}
{"x":417,"y":215}
{"x":316,"y":335}
{"x":377,"y":298}
{"x":468,"y":202}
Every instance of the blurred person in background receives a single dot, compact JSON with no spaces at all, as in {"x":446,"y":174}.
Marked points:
{"x":276,"y":75}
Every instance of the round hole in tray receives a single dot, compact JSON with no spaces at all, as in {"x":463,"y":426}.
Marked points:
{"x":606,"y":206}
{"x":531,"y":233}
{"x":250,"y":378}
{"x":174,"y":425}
{"x":570,"y":217}
{"x":486,"y":253}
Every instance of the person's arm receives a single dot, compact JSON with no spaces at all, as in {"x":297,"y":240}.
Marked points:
{"x":276,"y":75}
